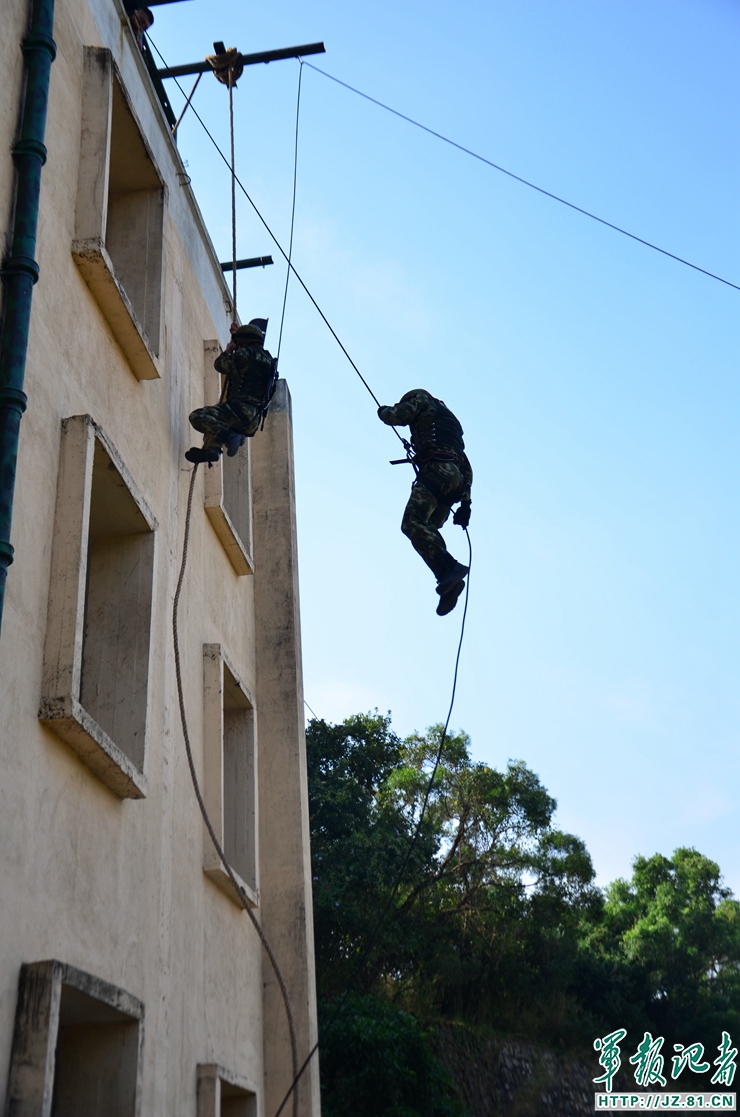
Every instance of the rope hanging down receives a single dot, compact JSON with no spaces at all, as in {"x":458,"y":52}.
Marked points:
{"x":233,"y":199}
{"x":298,"y":1072}
{"x":292,"y":210}
{"x":201,"y":804}
{"x":227,"y":69}
{"x":367,"y":951}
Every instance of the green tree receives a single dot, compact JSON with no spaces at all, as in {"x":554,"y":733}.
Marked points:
{"x":489,"y":899}
{"x":677,"y":929}
{"x":492,"y":919}
{"x":377,"y":1061}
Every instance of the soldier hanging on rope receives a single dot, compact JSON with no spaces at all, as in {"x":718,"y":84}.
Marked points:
{"x":443,"y":478}
{"x":250,"y":374}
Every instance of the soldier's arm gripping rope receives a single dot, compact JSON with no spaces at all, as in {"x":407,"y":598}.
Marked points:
{"x":250,"y":374}
{"x":443,"y":478}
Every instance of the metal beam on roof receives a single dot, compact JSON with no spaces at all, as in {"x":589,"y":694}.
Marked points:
{"x":252,"y":262}
{"x":242,"y":59}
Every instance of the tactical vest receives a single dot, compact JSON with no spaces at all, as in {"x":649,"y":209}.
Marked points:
{"x":437,"y":433}
{"x":251,"y":378}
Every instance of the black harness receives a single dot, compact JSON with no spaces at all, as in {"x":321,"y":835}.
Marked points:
{"x":244,"y":387}
{"x":436,"y":436}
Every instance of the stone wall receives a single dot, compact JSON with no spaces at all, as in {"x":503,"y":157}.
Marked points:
{"x":496,"y":1077}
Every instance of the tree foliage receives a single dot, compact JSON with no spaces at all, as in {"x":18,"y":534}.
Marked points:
{"x":677,"y":930}
{"x":492,"y":915}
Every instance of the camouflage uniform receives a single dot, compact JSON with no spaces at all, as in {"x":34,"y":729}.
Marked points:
{"x":444,"y":476}
{"x":249,"y":372}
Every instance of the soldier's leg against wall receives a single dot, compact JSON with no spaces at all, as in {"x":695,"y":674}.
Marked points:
{"x":210,"y":422}
{"x":217,"y":421}
{"x":418,"y":525}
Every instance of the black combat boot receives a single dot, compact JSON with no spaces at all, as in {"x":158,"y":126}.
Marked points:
{"x":199,"y":454}
{"x":233,"y":442}
{"x":451,"y":586}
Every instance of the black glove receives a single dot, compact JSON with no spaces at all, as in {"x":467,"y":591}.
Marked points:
{"x":381,"y":409}
{"x":462,"y":516}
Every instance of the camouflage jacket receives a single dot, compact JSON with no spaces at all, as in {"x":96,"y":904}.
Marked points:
{"x":436,"y":434}
{"x":248,"y":372}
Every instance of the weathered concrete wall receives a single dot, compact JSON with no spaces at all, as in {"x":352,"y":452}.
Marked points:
{"x":112,"y":886}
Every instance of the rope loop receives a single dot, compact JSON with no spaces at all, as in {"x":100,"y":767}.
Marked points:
{"x":227,"y":67}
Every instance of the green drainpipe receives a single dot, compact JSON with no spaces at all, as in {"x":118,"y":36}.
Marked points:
{"x":20,"y":270}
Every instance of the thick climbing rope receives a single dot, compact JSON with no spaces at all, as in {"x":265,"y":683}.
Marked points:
{"x":198,"y":795}
{"x":276,"y":242}
{"x":298,"y":1072}
{"x":292,"y":210}
{"x":367,"y":951}
{"x":233,"y":197}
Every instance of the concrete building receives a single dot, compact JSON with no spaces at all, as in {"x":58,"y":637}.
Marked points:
{"x":131,"y":979}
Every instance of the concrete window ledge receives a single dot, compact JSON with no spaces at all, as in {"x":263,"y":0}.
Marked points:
{"x":215,"y":871}
{"x":216,"y":510}
{"x":77,"y":1040}
{"x":230,"y":775}
{"x":73,"y":725}
{"x":96,"y":266}
{"x":95,"y":686}
{"x":221,"y":1093}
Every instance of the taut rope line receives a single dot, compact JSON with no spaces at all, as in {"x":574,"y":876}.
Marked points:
{"x":297,"y":1072}
{"x":281,"y":250}
{"x":292,"y":211}
{"x":371,"y":941}
{"x":233,"y":194}
{"x":198,"y":795}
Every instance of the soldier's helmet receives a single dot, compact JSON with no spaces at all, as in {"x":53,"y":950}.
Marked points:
{"x":253,"y":331}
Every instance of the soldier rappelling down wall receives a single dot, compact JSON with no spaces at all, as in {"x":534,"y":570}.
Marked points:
{"x":443,"y":478}
{"x":251,"y":375}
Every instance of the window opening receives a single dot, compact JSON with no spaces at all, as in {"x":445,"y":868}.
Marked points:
{"x":237,"y":494}
{"x":99,"y":619}
{"x":77,"y":1045}
{"x":96,"y":1061}
{"x":221,"y":1093}
{"x":239,"y":790}
{"x":120,"y":569}
{"x":230,"y":784}
{"x":135,"y":212}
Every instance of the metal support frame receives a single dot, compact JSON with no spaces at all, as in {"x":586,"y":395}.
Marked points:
{"x":19,"y":270}
{"x":252,"y":262}
{"x":244,"y":60}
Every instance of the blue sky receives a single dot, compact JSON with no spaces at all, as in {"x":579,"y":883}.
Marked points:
{"x":596,"y":380}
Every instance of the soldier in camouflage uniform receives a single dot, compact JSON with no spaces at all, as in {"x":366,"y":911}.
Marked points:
{"x":443,"y":478}
{"x":250,"y":377}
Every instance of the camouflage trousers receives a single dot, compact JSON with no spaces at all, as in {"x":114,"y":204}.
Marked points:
{"x":214,"y":422}
{"x":427,"y":511}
